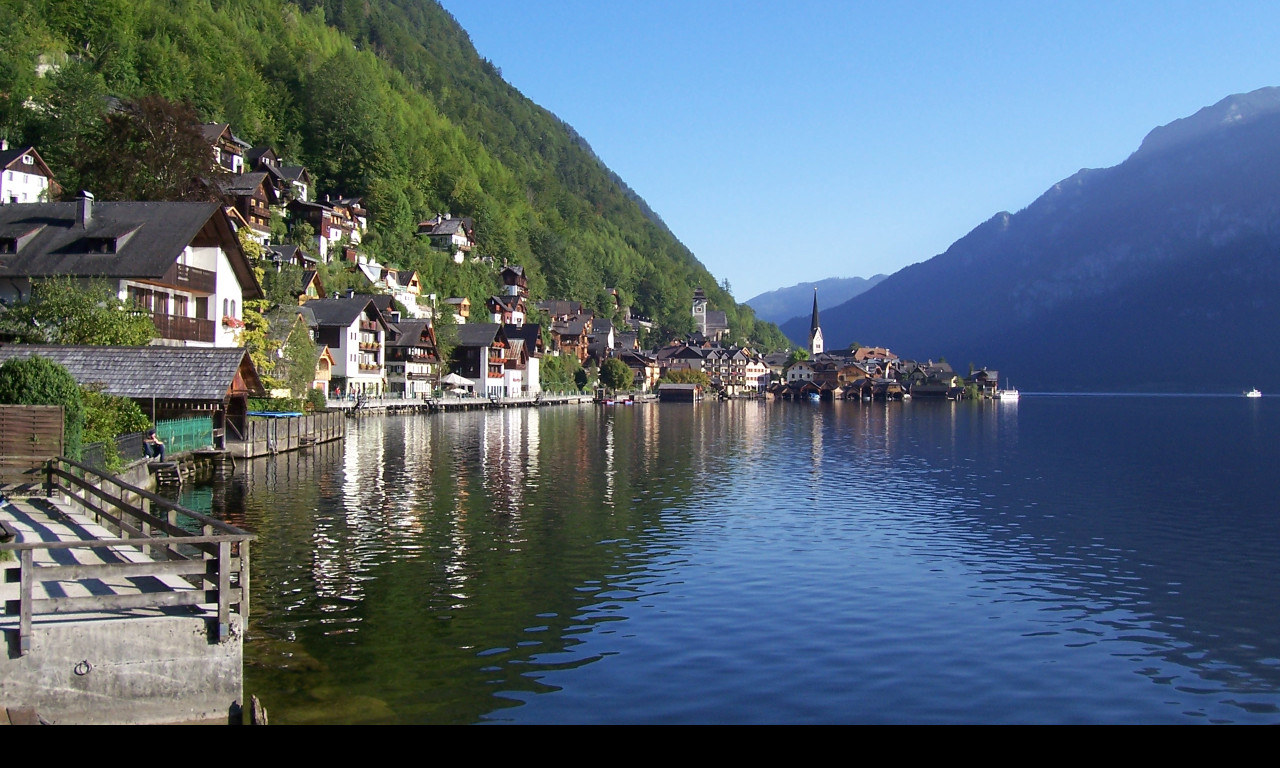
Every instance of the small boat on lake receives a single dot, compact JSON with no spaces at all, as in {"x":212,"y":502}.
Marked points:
{"x":1253,"y":393}
{"x":1010,"y":395}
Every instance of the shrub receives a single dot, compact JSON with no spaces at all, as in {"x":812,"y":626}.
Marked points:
{"x":37,"y":381}
{"x":316,"y":400}
{"x":107,"y":416}
{"x":276,"y":404}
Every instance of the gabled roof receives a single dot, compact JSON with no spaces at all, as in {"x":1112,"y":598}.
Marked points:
{"x":383,"y":302}
{"x":11,"y":160}
{"x":165,"y":373}
{"x":295,"y":173}
{"x":415,"y":333}
{"x":288,"y":253}
{"x":509,"y":303}
{"x":247,"y":184}
{"x":574,"y":326}
{"x":479,"y":334}
{"x":141,"y":240}
{"x":258,"y":154}
{"x":343,"y":311}
{"x":530,"y":332}
{"x":558,"y":308}
{"x":214,"y":131}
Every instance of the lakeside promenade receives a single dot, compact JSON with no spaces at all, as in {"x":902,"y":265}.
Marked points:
{"x":454,"y":402}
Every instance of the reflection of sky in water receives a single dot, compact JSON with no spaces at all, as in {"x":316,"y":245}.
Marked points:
{"x":1058,"y":560}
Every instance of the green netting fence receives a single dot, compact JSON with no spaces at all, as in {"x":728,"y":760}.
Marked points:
{"x":185,"y":434}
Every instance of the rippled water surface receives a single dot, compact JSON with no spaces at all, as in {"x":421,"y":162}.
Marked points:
{"x":1064,"y":559}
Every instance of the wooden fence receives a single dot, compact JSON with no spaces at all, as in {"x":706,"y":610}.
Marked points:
{"x":266,"y":436}
{"x":158,"y":539}
{"x":30,"y":435}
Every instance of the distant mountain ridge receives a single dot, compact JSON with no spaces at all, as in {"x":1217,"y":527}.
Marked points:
{"x":794,"y":301}
{"x":1159,"y":274}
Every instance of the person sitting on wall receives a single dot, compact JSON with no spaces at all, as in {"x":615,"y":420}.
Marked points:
{"x":152,"y":445}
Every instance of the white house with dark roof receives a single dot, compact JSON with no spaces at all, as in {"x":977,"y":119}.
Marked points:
{"x":455,"y":235}
{"x":521,"y":371}
{"x":24,"y":178}
{"x":356,"y":332}
{"x":180,"y":262}
{"x":228,"y":149}
{"x":332,"y":222}
{"x":412,"y":359}
{"x":482,"y":355}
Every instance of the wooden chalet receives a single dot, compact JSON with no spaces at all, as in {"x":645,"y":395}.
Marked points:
{"x":24,"y":176}
{"x":987,"y":381}
{"x":253,"y":196}
{"x":514,"y":277}
{"x":573,"y":336}
{"x":165,"y":382}
{"x":413,"y":359}
{"x":228,"y":150}
{"x":460,"y":306}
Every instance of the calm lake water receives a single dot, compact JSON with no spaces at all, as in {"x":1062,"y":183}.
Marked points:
{"x":1063,"y":559}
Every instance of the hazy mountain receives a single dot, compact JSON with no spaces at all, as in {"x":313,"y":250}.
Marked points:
{"x":1161,"y":273}
{"x":786,"y":303}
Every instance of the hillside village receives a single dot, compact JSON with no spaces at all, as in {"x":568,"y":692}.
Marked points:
{"x":195,"y":269}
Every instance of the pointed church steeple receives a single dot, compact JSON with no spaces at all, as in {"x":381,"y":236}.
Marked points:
{"x":815,"y":329}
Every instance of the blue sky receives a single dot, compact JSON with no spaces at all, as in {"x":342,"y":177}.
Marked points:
{"x":792,"y":141}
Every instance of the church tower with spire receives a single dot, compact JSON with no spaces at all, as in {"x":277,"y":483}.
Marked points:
{"x":815,"y":329}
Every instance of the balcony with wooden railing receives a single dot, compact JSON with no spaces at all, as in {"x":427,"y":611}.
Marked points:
{"x":183,"y":328}
{"x":191,"y":279}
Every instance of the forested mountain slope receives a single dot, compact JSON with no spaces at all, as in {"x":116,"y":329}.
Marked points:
{"x":378,"y":98}
{"x":1162,"y":273}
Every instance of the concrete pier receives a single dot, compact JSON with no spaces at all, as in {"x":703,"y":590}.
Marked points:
{"x":99,"y":629}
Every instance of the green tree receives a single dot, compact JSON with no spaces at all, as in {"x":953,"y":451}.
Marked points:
{"x":581,"y":378}
{"x":446,"y":329}
{"x":686,"y":376}
{"x":557,"y":372}
{"x":256,"y":335}
{"x":107,"y":416}
{"x":797,"y":355}
{"x":282,"y":286}
{"x":151,"y":149}
{"x":298,"y":357}
{"x":37,"y":381}
{"x":615,"y":374}
{"x":61,"y":310}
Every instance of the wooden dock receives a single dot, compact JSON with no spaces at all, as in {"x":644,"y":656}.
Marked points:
{"x":119,"y":605}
